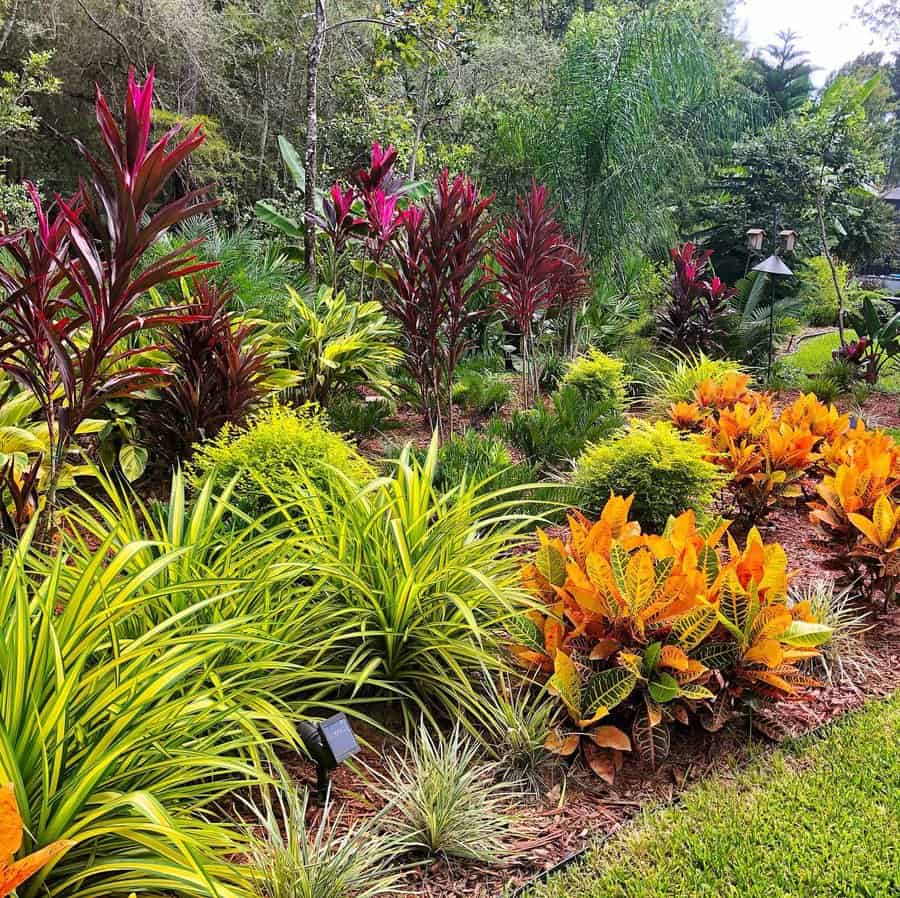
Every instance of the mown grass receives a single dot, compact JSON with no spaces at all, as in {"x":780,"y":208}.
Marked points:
{"x":814,"y":354}
{"x":821,"y":817}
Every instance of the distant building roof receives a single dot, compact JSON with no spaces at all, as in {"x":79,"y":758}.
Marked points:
{"x":892,"y":195}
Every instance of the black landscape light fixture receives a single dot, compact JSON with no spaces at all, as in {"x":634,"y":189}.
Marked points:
{"x":775,"y":267}
{"x":329,"y":743}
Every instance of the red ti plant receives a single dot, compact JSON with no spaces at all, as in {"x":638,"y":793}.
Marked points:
{"x":530,"y":255}
{"x":573,"y":287}
{"x":438,"y":269}
{"x":690,"y":319}
{"x":218,"y":376}
{"x":69,"y":314}
{"x":339,"y":224}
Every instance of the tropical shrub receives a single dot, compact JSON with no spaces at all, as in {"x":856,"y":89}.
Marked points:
{"x":530,"y":255}
{"x":359,"y":416}
{"x":550,"y":438}
{"x":76,"y":279}
{"x":818,"y":291}
{"x":664,"y":472}
{"x":674,"y":379}
{"x":481,"y":392}
{"x":221,"y":368}
{"x":336,"y":345}
{"x":479,"y":459}
{"x":436,"y":274}
{"x":692,"y":318}
{"x":766,"y":456}
{"x":426,"y":578}
{"x":597,"y":376}
{"x":123,"y":739}
{"x":879,"y":340}
{"x":269,"y":452}
{"x":643,"y":630}
{"x":444,"y":800}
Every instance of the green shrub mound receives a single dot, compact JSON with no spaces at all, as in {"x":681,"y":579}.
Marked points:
{"x":666,"y":473}
{"x":597,"y":376}
{"x":279,"y":446}
{"x":480,"y":459}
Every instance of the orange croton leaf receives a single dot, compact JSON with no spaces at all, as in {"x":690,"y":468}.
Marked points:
{"x":610,"y":737}
{"x":13,"y":873}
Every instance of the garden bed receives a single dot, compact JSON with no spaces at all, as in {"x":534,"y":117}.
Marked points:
{"x":577,"y":808}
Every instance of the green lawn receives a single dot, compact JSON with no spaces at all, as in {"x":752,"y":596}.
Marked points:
{"x":821,"y":817}
{"x":812,"y":355}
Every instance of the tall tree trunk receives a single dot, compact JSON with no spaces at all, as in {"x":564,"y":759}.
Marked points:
{"x":823,"y":233}
{"x":314,"y":57}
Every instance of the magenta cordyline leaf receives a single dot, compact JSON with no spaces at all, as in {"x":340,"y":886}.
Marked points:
{"x":381,"y":168}
{"x":529,"y":253}
{"x":382,"y":217}
{"x":66,"y":314}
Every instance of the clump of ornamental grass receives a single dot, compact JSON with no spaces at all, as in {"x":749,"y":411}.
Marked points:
{"x":445,"y":799}
{"x":845,"y":658}
{"x":291,"y":859}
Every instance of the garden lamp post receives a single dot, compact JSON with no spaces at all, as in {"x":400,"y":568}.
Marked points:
{"x":775,"y":267}
{"x":772,"y":265}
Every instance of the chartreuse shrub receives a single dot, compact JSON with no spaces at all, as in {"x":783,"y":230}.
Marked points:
{"x":664,"y":471}
{"x":643,"y":630}
{"x":268,"y":453}
{"x":597,"y":376}
{"x":829,"y":796}
{"x":121,"y":736}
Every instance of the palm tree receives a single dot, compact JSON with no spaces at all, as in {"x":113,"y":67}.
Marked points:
{"x":638,"y":101}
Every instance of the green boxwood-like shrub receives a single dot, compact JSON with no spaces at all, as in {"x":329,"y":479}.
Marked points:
{"x":277,"y":445}
{"x":666,"y":473}
{"x":597,"y":376}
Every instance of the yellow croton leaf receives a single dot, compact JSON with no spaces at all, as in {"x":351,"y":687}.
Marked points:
{"x":13,"y":873}
{"x":767,"y":652}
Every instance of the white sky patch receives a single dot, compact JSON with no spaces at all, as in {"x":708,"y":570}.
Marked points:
{"x":826,"y":28}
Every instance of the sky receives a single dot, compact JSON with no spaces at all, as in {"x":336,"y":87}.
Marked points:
{"x":826,"y":29}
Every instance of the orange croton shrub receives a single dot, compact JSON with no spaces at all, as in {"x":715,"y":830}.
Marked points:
{"x":14,"y":872}
{"x":637,"y":631}
{"x":766,"y":455}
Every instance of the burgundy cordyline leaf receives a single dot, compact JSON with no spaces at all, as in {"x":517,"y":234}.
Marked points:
{"x":690,"y":318}
{"x":70,"y":296}
{"x":573,"y":283}
{"x":437,"y":268}
{"x":529,"y":253}
{"x":216,"y":377}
